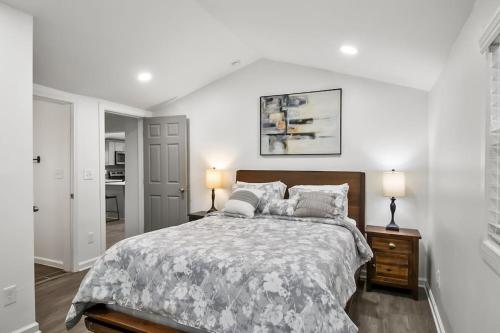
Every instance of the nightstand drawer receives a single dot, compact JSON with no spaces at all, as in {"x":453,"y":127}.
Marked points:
{"x":391,"y":259}
{"x":393,"y":267}
{"x":393,"y":245}
{"x":393,"y":271}
{"x":389,"y":280}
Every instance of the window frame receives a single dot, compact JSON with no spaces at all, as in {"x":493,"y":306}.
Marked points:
{"x":490,"y":251}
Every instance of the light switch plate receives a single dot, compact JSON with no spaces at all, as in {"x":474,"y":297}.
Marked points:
{"x":9,"y":295}
{"x":88,"y":174}
{"x":91,"y":237}
{"x":59,"y":174}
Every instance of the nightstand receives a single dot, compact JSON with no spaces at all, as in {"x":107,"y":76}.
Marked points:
{"x":395,"y":258}
{"x":196,"y":215}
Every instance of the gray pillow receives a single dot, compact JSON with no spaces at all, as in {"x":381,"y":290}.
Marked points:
{"x":317,"y":204}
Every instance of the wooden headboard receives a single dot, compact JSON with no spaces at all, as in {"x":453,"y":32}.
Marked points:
{"x":356,"y":181}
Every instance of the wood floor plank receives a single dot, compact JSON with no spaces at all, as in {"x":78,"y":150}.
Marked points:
{"x":115,"y":232}
{"x":387,"y":311}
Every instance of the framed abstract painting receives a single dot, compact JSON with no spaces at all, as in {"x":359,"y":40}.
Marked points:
{"x":307,"y":123}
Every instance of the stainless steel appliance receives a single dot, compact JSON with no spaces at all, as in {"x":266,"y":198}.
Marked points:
{"x":116,"y":175}
{"x":119,"y":157}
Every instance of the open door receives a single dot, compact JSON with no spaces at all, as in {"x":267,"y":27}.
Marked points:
{"x":52,"y":183}
{"x":165,"y":172}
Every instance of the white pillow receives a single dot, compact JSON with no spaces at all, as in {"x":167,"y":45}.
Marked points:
{"x":243,"y":201}
{"x":272,"y":190}
{"x":338,"y":189}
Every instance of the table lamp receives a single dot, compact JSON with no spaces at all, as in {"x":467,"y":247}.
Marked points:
{"x":213,"y":180}
{"x":394,"y":186}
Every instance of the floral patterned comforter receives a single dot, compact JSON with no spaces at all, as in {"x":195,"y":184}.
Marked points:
{"x":230,"y":274}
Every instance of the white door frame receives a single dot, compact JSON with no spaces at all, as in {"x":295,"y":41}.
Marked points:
{"x":69,"y":257}
{"x":128,"y":112}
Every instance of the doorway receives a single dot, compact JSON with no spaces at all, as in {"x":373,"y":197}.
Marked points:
{"x":156,"y":190}
{"x":121,"y":174}
{"x":52,"y":187}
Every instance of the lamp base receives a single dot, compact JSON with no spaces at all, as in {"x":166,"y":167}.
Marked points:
{"x":392,"y":226}
{"x":212,"y":209}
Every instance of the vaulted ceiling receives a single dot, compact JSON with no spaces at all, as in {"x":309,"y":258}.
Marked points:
{"x":97,"y":47}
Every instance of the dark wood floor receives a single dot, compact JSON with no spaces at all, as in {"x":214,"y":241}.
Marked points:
{"x":57,"y":288}
{"x":374,"y":312}
{"x":45,"y":273}
{"x":115,"y":232}
{"x":52,"y":301}
{"x":387,"y":311}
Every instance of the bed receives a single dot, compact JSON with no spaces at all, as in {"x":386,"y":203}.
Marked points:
{"x":231,"y":274}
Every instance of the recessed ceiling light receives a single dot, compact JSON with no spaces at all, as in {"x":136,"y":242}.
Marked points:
{"x":144,"y":76}
{"x":348,"y":49}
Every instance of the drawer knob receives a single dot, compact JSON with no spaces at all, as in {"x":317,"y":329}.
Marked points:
{"x":392,"y":246}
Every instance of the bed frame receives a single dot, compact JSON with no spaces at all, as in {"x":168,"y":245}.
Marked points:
{"x":100,"y":319}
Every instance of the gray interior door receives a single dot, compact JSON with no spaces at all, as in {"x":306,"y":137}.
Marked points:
{"x":165,"y":172}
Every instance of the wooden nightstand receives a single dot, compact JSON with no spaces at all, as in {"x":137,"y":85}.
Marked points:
{"x":395,"y":258}
{"x":196,"y":215}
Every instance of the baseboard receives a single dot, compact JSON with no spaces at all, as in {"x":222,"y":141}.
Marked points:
{"x":31,"y":328}
{"x":434,"y":309}
{"x":83,"y":265}
{"x":49,"y":262}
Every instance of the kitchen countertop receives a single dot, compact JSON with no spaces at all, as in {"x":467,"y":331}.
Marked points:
{"x":115,"y":183}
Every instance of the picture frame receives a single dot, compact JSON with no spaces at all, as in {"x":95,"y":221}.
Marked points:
{"x":304,"y":123}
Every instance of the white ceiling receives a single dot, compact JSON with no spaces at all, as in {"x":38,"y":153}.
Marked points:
{"x":400,"y":41}
{"x":96,"y":47}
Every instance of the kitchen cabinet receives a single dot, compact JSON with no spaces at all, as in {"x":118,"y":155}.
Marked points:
{"x":111,"y":146}
{"x":119,"y":146}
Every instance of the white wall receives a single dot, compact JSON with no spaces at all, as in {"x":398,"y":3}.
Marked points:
{"x":16,"y":169}
{"x":468,"y":295}
{"x":383,"y":127}
{"x":87,"y":139}
{"x":115,"y":123}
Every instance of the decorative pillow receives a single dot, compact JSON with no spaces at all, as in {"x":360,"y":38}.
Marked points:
{"x":339,"y":189}
{"x":243,"y":201}
{"x":319,"y":204}
{"x":283,"y":207}
{"x":272,"y":190}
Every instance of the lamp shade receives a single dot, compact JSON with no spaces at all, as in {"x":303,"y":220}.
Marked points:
{"x":213,"y":178}
{"x":394,"y":184}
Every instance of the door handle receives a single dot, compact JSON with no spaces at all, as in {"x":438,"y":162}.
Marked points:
{"x":181,"y":189}
{"x":35,"y":209}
